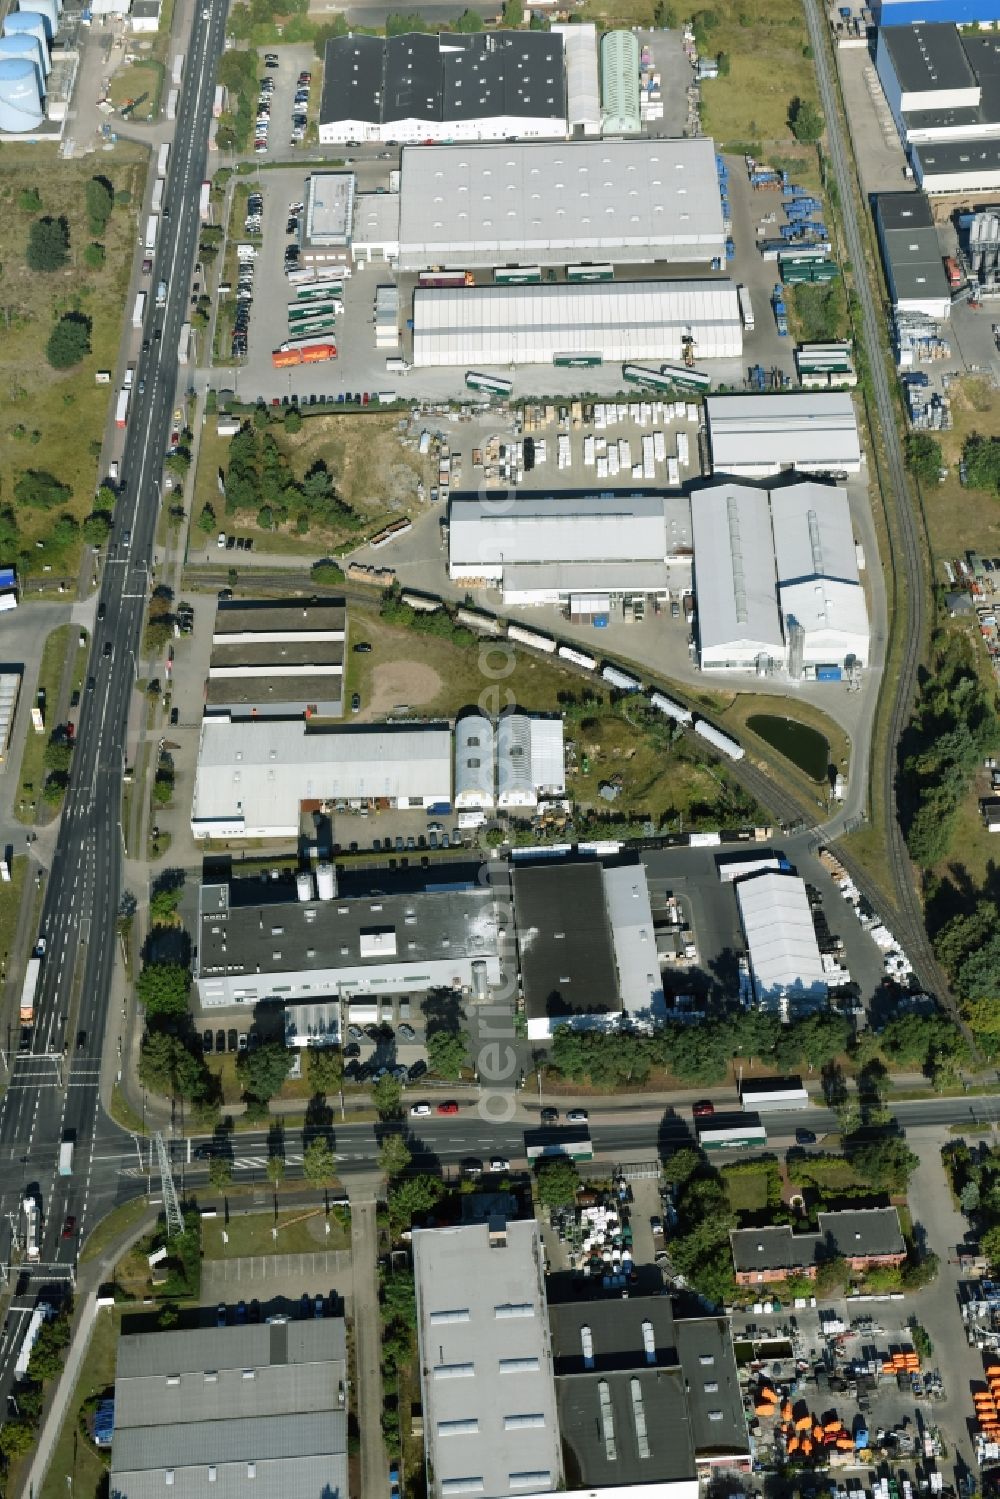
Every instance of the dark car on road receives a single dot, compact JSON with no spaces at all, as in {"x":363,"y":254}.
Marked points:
{"x":805,"y":1137}
{"x":550,"y":1116}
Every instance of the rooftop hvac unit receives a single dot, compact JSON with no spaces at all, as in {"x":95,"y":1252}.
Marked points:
{"x":20,"y":96}
{"x":49,"y":12}
{"x":29,"y":23}
{"x":27,"y":47}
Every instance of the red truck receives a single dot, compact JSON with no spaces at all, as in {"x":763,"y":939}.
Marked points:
{"x":952,"y":271}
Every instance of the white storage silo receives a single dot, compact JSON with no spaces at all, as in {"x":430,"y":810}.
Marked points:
{"x":20,"y":96}
{"x":49,"y":12}
{"x":27,"y":23}
{"x":304,"y":885}
{"x":27,"y":47}
{"x":326,"y":882}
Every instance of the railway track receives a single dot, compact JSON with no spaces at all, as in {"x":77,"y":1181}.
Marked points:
{"x":907,"y":554}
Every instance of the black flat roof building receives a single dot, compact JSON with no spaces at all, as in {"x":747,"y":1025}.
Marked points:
{"x":564,"y":941}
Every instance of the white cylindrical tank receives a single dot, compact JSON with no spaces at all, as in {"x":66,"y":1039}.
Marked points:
{"x":28,"y":47}
{"x":304,"y":885}
{"x":27,"y":23}
{"x":49,"y":12}
{"x":20,"y":96}
{"x":479,"y":983}
{"x":326,"y":882}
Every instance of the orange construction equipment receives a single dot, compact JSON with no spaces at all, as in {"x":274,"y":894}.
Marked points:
{"x":786,"y":1410}
{"x":807,"y":1446}
{"x":992,"y":1369}
{"x":803,"y":1423}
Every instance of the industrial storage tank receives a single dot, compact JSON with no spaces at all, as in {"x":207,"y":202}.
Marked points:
{"x":49,"y":12}
{"x":326,"y":882}
{"x":20,"y":96}
{"x":27,"y":47}
{"x":28,"y":23}
{"x":304,"y":885}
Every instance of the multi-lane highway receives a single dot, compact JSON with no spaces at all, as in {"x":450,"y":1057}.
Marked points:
{"x":48,"y":1095}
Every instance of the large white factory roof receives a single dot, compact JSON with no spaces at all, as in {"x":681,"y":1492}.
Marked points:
{"x":257,"y":773}
{"x":634,"y":200}
{"x":817,"y":567}
{"x":734,"y":575}
{"x":475,"y":754}
{"x":623,"y":528}
{"x":755,"y":436}
{"x":781,"y":939}
{"x":620,"y":320}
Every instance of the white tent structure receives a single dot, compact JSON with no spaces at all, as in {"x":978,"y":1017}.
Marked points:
{"x":475,"y":761}
{"x":618,"y":320}
{"x":785,"y":963}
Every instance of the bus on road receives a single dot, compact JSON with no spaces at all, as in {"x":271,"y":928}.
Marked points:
{"x":571,"y":1140}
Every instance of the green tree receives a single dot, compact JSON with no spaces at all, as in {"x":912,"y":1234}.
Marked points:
{"x":723,"y":64}
{"x":264,"y":1071}
{"x":326,"y":572}
{"x":923,"y":458}
{"x":513,"y":14}
{"x":163,"y":787}
{"x":319,"y":1164}
{"x":48,"y":244}
{"x":17,"y":1437}
{"x":206,"y":519}
{"x":394,"y":1156}
{"x":275,"y":1169}
{"x":163,"y":989}
{"x":164,"y":901}
{"x":447,"y":1052}
{"x":398,"y":1302}
{"x":97,"y":527}
{"x":469,"y":20}
{"x":220,"y":1172}
{"x":293,"y":420}
{"x":387,"y":1096}
{"x":558,"y":1182}
{"x":982,"y":462}
{"x":69,"y":341}
{"x":805,"y":121}
{"x":409,"y":1198}
{"x":100,"y":202}
{"x":324,"y":1069}
{"x":55,"y":788}
{"x":37,"y":489}
{"x":884,"y":1165}
{"x":94,"y":255}
{"x":29,"y":201}
{"x":57,"y":754}
{"x":166,"y":1066}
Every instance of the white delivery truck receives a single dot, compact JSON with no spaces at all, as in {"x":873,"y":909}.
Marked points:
{"x":138,"y":309}
{"x":152,"y":225}
{"x":66,"y":1157}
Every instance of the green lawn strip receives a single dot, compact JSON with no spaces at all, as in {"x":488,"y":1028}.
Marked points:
{"x":11,"y":895}
{"x":117,"y":1222}
{"x":32,"y":768}
{"x":75,"y":1466}
{"x":291,"y":1231}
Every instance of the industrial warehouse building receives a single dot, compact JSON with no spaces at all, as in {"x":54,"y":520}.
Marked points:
{"x":583,"y":94}
{"x":822,"y":602}
{"x":329,"y":219}
{"x":481,"y":86}
{"x":486,"y":1386}
{"x":521,"y":761}
{"x":943,"y":90}
{"x":275,"y":659}
{"x":786,"y":968}
{"x":530,"y":203}
{"x":776,"y":581}
{"x":911,"y":255}
{"x":616,"y":321}
{"x":256,"y":1409}
{"x":586,"y":946}
{"x":303,"y":945}
{"x":620,"y":114}
{"x":253,"y":780}
{"x":755,"y":437}
{"x":541,"y":550}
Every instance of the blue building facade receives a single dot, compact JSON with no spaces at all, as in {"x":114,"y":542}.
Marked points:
{"x":958,"y":12}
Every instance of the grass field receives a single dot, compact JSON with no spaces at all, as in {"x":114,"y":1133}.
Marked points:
{"x":134,"y":81}
{"x":299,"y":1230}
{"x":28,"y":808}
{"x":361,"y":452}
{"x":958,"y":518}
{"x":747,"y":1193}
{"x":770,"y":64}
{"x":74,"y":1466}
{"x":10,"y":904}
{"x":120,"y":1219}
{"x":54,"y":420}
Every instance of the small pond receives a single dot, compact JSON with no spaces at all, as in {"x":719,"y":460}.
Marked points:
{"x":805,"y":747}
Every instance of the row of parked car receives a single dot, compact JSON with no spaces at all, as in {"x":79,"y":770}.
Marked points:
{"x":263,"y":125}
{"x":232,"y":1040}
{"x":250,"y":1312}
{"x":244,"y":279}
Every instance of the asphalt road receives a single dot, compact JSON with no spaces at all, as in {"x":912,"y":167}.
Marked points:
{"x":48,"y":1098}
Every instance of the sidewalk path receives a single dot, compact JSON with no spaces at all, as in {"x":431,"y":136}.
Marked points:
{"x":367,"y":1346}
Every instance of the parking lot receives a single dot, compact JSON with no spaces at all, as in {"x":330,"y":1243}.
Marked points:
{"x":359,"y":366}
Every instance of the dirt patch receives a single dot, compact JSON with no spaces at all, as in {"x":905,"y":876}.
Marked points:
{"x":399,"y":682}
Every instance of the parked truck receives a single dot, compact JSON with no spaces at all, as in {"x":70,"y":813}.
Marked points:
{"x":746,"y":308}
{"x":66,"y":1156}
{"x":162,"y":157}
{"x":121,"y":409}
{"x":28,"y":989}
{"x":138,"y":309}
{"x":308,"y":354}
{"x":953,"y":272}
{"x":152,"y":226}
{"x":157,"y":200}
{"x":204,"y":209}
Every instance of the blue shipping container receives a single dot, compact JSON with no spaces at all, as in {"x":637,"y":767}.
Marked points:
{"x":441,"y":808}
{"x":8,"y":577}
{"x":829,"y":674}
{"x":601,"y":621}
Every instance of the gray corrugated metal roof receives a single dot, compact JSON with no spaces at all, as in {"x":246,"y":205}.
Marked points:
{"x":627,"y":528}
{"x":281,"y":1478}
{"x":253,"y":1346}
{"x":197,"y":1443}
